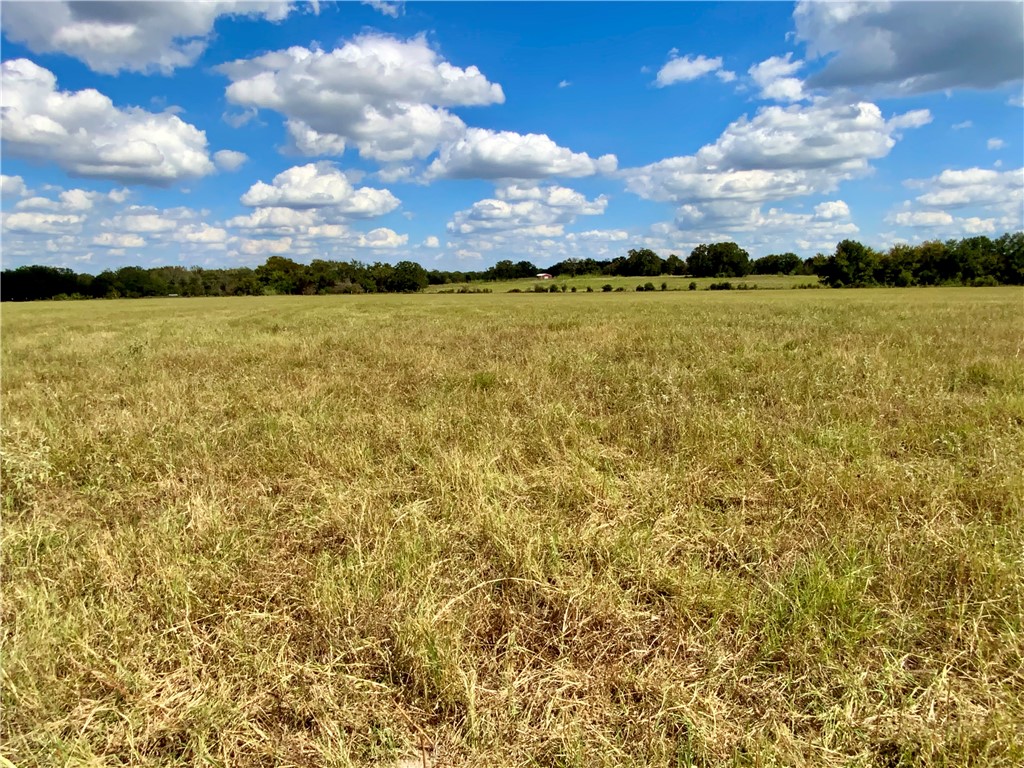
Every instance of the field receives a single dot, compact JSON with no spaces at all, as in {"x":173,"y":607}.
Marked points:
{"x":770,"y":528}
{"x":596,"y":282}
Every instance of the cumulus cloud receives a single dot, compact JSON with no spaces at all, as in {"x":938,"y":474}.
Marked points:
{"x":386,"y":96}
{"x":115,"y":240}
{"x":12,"y":186}
{"x":687,"y":68}
{"x":42,"y":223}
{"x":486,"y":154}
{"x":529,"y":210}
{"x":907,"y":48}
{"x":431,"y":242}
{"x":86,"y":135}
{"x":774,"y":77}
{"x":782,"y":152}
{"x":133,"y":36}
{"x":972,"y":187}
{"x":995,"y":144}
{"x":967,"y":201}
{"x":229,"y":159}
{"x":386,"y":7}
{"x":320,"y":185}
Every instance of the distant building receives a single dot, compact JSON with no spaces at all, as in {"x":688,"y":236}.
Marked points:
{"x":544,"y":276}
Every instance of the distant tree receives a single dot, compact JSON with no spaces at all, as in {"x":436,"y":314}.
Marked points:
{"x":852,"y":265}
{"x":639,"y":263}
{"x":407,"y":277}
{"x":1010,"y":250}
{"x":776,"y":264}
{"x":674,"y":266}
{"x":718,"y":260}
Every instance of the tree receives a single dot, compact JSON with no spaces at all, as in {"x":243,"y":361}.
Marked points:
{"x":718,"y":260}
{"x":408,"y":277}
{"x":852,"y":264}
{"x":638,"y":263}
{"x":674,"y":265}
{"x":776,"y":264}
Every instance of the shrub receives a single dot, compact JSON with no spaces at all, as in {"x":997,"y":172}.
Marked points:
{"x":590,"y":289}
{"x":693,"y":286}
{"x":554,"y":289}
{"x":664,"y":286}
{"x":607,"y":287}
{"x":650,"y":287}
{"x":725,"y":285}
{"x":514,"y":290}
{"x":573,"y":289}
{"x":619,"y":289}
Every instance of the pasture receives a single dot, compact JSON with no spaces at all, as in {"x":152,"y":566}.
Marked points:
{"x":768,"y":528}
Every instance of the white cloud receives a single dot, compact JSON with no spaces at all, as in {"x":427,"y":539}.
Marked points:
{"x":229,"y":159}
{"x":431,"y":242}
{"x":527,"y":210}
{"x":12,"y":186}
{"x":138,"y":219}
{"x":687,"y":68}
{"x":984,"y":201}
{"x":387,"y":7}
{"x":922,"y":219}
{"x":599,"y":236}
{"x":907,"y":48}
{"x":382,"y":237}
{"x":114,"y":240}
{"x":972,"y":187}
{"x":320,"y":185}
{"x":86,"y":135}
{"x":995,"y":144}
{"x":385,"y":96}
{"x":963,"y":125}
{"x":832,"y":209}
{"x":282,"y":221}
{"x":42,"y":223}
{"x":282,"y":245}
{"x":486,"y":154}
{"x":782,"y":152}
{"x":134,"y":36}
{"x":564,"y":84}
{"x":774,"y":77}
{"x":200,"y":233}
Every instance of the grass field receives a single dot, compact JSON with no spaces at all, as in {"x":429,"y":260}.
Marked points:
{"x":775,"y":528}
{"x":596,"y":282}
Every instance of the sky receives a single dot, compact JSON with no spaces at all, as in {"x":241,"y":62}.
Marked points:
{"x":459,"y":134}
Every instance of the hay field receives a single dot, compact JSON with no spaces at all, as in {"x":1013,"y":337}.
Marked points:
{"x":770,"y":528}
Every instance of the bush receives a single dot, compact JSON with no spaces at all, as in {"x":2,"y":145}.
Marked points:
{"x":590,"y":289}
{"x":619,"y":289}
{"x":554,"y":289}
{"x":640,"y":288}
{"x":693,"y":286}
{"x":725,"y":285}
{"x":607,"y":287}
{"x":664,"y":286}
{"x":649,"y":287}
{"x":573,"y":289}
{"x":514,"y":290}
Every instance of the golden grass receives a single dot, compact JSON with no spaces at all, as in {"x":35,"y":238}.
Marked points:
{"x":768,"y":528}
{"x":596,"y":282}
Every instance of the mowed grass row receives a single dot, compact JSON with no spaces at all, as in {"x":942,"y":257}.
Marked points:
{"x":764,"y":528}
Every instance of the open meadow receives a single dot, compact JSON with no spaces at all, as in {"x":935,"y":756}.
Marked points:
{"x":765,"y":528}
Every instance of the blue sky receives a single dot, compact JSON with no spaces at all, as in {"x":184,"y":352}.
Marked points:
{"x":459,"y":134}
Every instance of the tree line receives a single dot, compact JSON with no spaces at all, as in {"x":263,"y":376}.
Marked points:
{"x":968,"y":261}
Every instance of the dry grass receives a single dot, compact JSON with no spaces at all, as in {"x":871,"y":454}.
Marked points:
{"x":771,"y":528}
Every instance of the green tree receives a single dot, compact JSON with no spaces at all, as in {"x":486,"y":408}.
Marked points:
{"x":718,"y":260}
